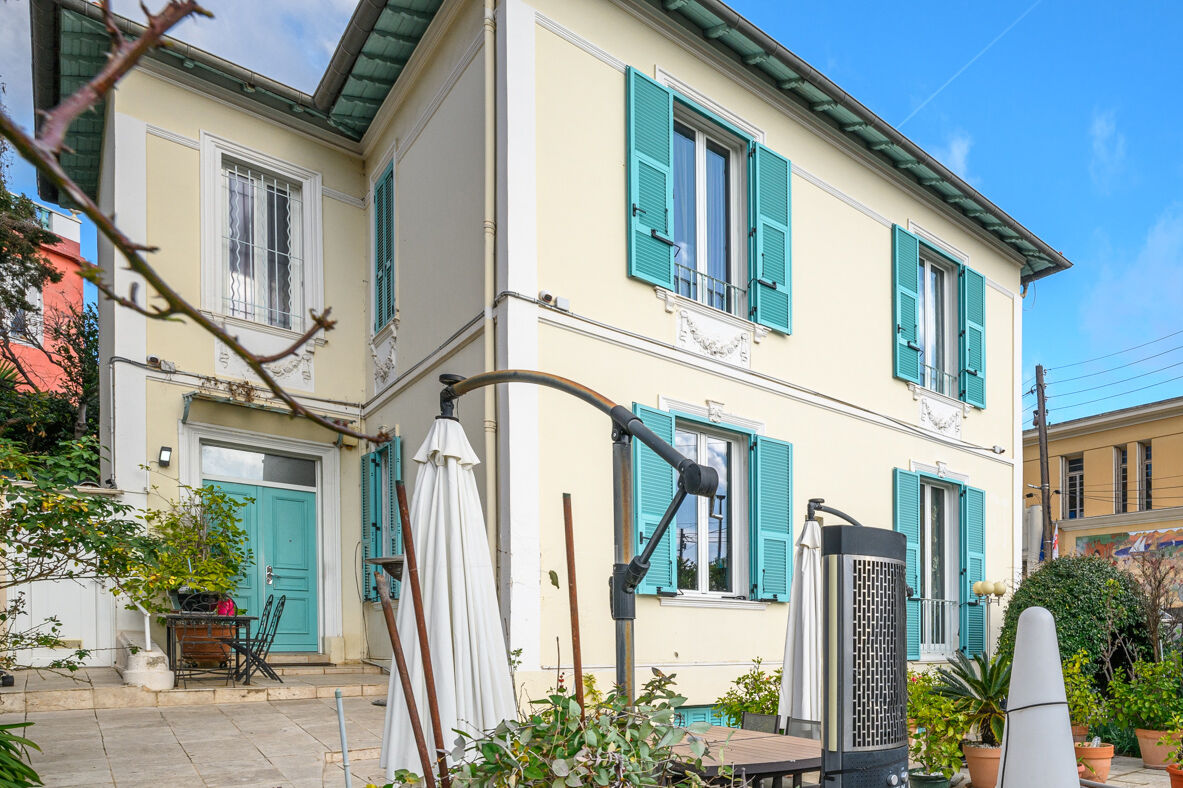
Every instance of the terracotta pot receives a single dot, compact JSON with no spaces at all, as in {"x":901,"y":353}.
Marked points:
{"x":1154,"y":755}
{"x":200,"y":646}
{"x":1080,"y":732}
{"x":1080,"y":770}
{"x":1096,"y":761}
{"x":1176,"y":776}
{"x":982,"y":762}
{"x":917,"y":780}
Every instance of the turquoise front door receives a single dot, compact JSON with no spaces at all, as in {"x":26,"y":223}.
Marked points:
{"x":281,"y":526}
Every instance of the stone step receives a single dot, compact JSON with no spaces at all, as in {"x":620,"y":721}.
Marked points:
{"x":298,"y":658}
{"x":99,"y":691}
{"x":310,"y":670}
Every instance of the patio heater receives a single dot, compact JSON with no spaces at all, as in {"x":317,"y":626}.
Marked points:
{"x":864,"y":655}
{"x":628,"y":570}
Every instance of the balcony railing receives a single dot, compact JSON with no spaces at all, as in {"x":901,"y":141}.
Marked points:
{"x":937,"y":627}
{"x":708,"y":290}
{"x":940,"y":381}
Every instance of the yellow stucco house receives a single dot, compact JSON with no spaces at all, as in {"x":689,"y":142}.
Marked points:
{"x":1115,"y":481}
{"x":652,"y":198}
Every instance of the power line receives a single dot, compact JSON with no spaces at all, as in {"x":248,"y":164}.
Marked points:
{"x":1116,"y":382}
{"x":1114,"y":369}
{"x":1122,"y":393}
{"x":1119,"y":352}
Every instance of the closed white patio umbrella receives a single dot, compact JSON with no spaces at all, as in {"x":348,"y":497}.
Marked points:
{"x":800,"y":688}
{"x":473,"y":684}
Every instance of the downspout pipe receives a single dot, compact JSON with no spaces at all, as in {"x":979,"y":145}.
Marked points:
{"x":731,"y":19}
{"x":490,"y":258}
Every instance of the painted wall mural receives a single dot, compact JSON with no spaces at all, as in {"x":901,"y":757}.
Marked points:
{"x":1121,"y":547}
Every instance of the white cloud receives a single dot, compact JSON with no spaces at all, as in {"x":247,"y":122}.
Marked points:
{"x":954,"y":154}
{"x":1108,"y":151}
{"x":1140,"y":293}
{"x":290,"y":41}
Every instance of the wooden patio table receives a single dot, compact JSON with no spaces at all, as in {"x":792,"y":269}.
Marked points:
{"x":755,"y":755}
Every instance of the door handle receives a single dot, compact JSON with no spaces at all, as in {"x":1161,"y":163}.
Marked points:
{"x":270,"y":575}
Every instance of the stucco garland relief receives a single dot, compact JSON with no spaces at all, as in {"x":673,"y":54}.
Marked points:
{"x":295,"y":370}
{"x":709,"y":332}
{"x":940,"y":417}
{"x":384,"y":354}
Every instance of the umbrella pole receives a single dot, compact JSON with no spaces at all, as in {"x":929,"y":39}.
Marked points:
{"x":573,"y":600}
{"x":412,"y":708}
{"x":433,"y":707}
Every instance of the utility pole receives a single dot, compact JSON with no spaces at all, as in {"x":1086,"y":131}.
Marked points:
{"x":1045,"y":490}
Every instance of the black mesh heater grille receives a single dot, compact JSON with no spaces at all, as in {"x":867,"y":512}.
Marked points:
{"x":878,"y":713}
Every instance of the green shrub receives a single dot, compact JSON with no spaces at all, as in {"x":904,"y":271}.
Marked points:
{"x":1123,"y":739}
{"x":1097,"y":608}
{"x":978,"y":688}
{"x":15,"y":771}
{"x":935,"y":747}
{"x":1150,"y":696}
{"x":1086,"y":706}
{"x":756,"y":691}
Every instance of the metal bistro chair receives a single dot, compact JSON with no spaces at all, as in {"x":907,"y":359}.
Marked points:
{"x":256,"y":651}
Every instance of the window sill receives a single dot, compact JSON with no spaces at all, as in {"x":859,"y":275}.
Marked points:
{"x":262,"y":328}
{"x":713,"y":602}
{"x":934,"y":659}
{"x":388,"y":331}
{"x":674,"y":302}
{"x":919,"y":391}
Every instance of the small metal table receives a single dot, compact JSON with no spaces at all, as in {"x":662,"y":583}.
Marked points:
{"x":755,"y":755}
{"x":208,"y":632}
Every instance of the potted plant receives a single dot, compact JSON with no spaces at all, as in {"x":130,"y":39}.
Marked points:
{"x":1096,"y":757}
{"x":935,"y":744}
{"x":921,"y":685}
{"x":1148,"y":701}
{"x":1173,"y":742}
{"x":1086,"y":706}
{"x":201,"y":552}
{"x":978,"y":689}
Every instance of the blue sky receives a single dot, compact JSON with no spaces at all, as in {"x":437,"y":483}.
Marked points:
{"x":1069,"y":122}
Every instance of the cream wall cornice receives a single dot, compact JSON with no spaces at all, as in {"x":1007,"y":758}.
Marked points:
{"x":1125,"y":519}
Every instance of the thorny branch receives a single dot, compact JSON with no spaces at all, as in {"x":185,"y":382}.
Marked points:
{"x":42,"y":152}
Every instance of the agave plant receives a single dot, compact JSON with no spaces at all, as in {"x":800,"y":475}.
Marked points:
{"x":978,"y":687}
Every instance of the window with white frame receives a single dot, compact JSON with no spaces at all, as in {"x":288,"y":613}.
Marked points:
{"x":263,"y":277}
{"x":1121,"y":475}
{"x":937,"y":328}
{"x":1145,"y":499}
{"x":261,"y":238}
{"x":1074,"y":488}
{"x":938,"y":573}
{"x":24,"y":326}
{"x":711,"y":534}
{"x":708,"y":167}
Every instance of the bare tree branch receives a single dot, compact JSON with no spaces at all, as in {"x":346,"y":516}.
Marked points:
{"x":41,"y":151}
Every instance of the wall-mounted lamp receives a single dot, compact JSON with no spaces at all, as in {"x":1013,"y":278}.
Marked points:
{"x":165,"y":457}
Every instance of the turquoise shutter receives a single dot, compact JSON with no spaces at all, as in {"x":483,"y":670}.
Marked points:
{"x":650,"y":180}
{"x":973,"y":569}
{"x":906,"y":489}
{"x":653,"y":489}
{"x":367,"y":527}
{"x":770,"y":286}
{"x":972,"y":343}
{"x":394,"y":473}
{"x":384,"y":249}
{"x":772,"y":518}
{"x":905,"y":264}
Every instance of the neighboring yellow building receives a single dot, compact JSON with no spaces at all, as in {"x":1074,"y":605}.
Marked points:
{"x":1116,"y":478}
{"x":653,"y":199}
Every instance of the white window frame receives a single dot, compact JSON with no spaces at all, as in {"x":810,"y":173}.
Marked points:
{"x":737,"y":206}
{"x":34,"y":321}
{"x":213,"y":151}
{"x":740,"y":547}
{"x":928,"y":261}
{"x":952,"y":593}
{"x":1143,"y":504}
{"x":1068,"y":498}
{"x":1120,"y":486}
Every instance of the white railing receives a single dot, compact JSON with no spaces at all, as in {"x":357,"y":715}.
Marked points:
{"x":940,"y":381}
{"x":937,"y":627}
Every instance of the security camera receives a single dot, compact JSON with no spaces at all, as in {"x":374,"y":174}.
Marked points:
{"x":546,"y":296}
